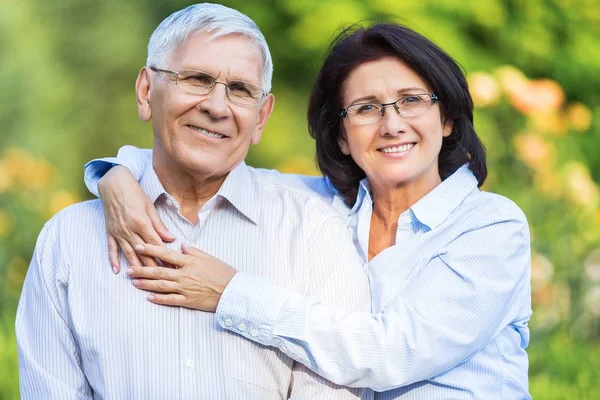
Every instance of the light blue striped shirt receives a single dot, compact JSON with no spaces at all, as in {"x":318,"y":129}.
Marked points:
{"x":451,"y":299}
{"x":84,"y":332}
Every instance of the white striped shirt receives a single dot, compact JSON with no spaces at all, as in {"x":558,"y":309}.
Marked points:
{"x":84,"y":332}
{"x":451,"y":300}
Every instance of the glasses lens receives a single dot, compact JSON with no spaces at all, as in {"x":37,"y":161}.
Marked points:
{"x":244,"y":93}
{"x":414,"y":104}
{"x":195,"y":82}
{"x":364,"y":113}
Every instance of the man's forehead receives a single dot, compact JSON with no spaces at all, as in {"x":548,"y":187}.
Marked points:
{"x":235,"y":55}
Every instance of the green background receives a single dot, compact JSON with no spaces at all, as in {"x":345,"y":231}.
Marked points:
{"x":67,"y":72}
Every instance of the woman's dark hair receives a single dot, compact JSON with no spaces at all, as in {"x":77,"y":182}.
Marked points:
{"x":357,"y":45}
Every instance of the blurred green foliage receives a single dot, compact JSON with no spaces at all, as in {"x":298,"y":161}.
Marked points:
{"x":68,"y":68}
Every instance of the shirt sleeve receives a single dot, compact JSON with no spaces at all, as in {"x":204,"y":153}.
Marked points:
{"x":343,"y":284}
{"x":50,"y":366}
{"x":136,"y":160}
{"x":336,"y":276}
{"x":455,"y":305}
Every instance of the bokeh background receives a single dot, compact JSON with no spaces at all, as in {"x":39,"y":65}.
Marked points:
{"x":67,"y":72}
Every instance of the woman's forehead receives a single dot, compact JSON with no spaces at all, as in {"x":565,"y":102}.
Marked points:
{"x":385,"y":76}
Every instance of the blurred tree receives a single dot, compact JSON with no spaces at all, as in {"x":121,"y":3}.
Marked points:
{"x":68,"y":69}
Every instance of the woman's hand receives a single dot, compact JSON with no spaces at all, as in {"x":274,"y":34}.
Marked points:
{"x":197,"y":281}
{"x":131,"y":218}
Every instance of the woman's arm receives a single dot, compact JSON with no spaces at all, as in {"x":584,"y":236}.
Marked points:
{"x":454,"y":307}
{"x":131,"y":218}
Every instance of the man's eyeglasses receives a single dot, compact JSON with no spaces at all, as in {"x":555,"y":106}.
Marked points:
{"x":407,"y":106}
{"x":197,"y":82}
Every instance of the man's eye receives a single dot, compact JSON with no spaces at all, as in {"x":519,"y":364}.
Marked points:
{"x":200,"y":79}
{"x":239,"y":88}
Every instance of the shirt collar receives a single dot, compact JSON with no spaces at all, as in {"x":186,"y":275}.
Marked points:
{"x":151,"y":184}
{"x":237,"y":189}
{"x":438,"y":204}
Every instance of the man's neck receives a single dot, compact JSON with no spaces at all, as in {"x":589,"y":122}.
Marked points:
{"x":190,"y":189}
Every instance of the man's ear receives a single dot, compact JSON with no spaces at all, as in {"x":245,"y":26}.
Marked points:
{"x":266,"y":108}
{"x":142,"y":93}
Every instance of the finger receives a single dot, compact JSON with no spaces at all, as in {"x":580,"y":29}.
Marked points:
{"x":158,"y":225}
{"x":129,"y":253}
{"x":187,"y":249}
{"x":113,"y":254}
{"x":138,"y":240}
{"x":162,"y":253}
{"x":156,"y":273}
{"x":158,"y":286}
{"x":168,"y":299}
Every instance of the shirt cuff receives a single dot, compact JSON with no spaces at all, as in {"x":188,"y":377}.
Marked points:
{"x":93,"y":171}
{"x":249,"y":306}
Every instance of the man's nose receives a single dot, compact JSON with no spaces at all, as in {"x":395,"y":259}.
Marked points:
{"x":215,"y":102}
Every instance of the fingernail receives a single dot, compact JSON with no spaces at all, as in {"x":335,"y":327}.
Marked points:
{"x":139,"y":248}
{"x":129,"y":271}
{"x":151,"y":297}
{"x":114,"y":268}
{"x":170,"y":234}
{"x":135,"y":282}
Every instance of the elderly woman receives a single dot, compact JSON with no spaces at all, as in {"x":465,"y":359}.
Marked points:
{"x":448,"y":264}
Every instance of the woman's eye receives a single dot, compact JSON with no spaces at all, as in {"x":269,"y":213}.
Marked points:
{"x":366,"y":108}
{"x":412,"y":99}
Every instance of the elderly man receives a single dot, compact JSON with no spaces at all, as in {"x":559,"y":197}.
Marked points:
{"x":205,"y":89}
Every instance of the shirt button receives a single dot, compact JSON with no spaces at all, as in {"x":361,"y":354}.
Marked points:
{"x":228,"y":322}
{"x":242,"y":327}
{"x":190,"y":363}
{"x":283,"y":349}
{"x":254,"y":333}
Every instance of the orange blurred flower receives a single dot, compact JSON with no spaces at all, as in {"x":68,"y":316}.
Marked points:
{"x":580,"y":188}
{"x":553,"y":122}
{"x":543,"y":95}
{"x":580,"y":117}
{"x":548,"y":183}
{"x":484,"y":89}
{"x":534,"y":151}
{"x":511,"y":79}
{"x":541,"y":272}
{"x":25,"y":170}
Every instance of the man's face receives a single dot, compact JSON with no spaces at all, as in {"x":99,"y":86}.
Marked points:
{"x":205,"y":135}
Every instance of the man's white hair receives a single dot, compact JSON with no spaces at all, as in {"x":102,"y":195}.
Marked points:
{"x":210,"y":18}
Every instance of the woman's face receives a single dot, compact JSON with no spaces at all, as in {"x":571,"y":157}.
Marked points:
{"x":393,"y":151}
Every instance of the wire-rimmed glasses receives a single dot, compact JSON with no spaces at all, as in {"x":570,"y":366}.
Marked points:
{"x":406,"y":106}
{"x":197,"y":82}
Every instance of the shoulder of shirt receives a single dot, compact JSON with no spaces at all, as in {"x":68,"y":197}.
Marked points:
{"x":313,"y":185}
{"x":485,"y":208}
{"x":72,"y":219}
{"x":307,"y":191}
